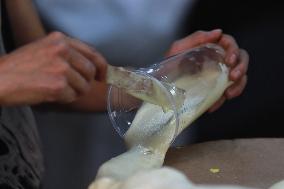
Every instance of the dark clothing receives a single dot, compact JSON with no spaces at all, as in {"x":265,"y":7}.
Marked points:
{"x":20,"y":158}
{"x":21,"y":164}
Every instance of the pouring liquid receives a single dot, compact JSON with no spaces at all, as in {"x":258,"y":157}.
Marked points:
{"x":152,"y":129}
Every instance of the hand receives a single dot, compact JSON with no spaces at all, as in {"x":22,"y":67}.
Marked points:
{"x":53,"y":69}
{"x":236,"y":59}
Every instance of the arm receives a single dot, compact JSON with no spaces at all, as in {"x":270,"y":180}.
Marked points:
{"x":27,"y":27}
{"x":24,"y":20}
{"x":54,"y":69}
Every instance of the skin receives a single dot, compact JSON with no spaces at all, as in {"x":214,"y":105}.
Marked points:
{"x":55,"y":68}
{"x":49,"y":68}
{"x":236,"y":59}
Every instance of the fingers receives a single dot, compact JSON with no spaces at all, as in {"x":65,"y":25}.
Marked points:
{"x":201,"y":37}
{"x":79,"y":72}
{"x":77,"y":82}
{"x":65,"y":82}
{"x":81,"y":64}
{"x":68,"y":95}
{"x":94,"y":57}
{"x":236,"y":59}
{"x":233,"y":91}
{"x":72,"y":65}
{"x":232,"y":49}
{"x":241,"y":68}
{"x":238,"y":75}
{"x":237,"y":88}
{"x":195,"y":39}
{"x":58,"y":88}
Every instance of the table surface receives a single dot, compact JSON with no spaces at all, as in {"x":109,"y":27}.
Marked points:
{"x":247,"y":162}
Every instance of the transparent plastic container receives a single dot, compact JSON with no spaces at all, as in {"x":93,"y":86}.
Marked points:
{"x":123,"y":107}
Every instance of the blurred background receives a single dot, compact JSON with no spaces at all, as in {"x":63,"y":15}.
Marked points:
{"x":138,"y":33}
{"x":258,"y":28}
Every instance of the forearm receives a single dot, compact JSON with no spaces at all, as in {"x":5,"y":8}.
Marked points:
{"x":25,"y":23}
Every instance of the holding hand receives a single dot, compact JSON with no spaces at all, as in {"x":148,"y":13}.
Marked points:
{"x":53,"y":69}
{"x":236,"y":59}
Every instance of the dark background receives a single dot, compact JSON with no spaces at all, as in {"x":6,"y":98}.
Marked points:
{"x":258,"y":27}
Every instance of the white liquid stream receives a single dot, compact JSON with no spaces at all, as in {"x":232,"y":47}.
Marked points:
{"x":151,"y":133}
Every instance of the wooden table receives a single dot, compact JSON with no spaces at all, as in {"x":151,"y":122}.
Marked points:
{"x":248,"y":162}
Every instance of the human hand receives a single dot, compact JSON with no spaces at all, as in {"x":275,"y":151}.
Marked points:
{"x":235,"y":58}
{"x":53,"y":69}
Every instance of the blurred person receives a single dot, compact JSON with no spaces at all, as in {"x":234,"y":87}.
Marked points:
{"x":128,"y":33}
{"x":132,"y":33}
{"x":60,"y":70}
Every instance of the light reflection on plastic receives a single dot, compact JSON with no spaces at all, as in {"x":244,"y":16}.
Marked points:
{"x":173,"y":92}
{"x":150,"y":71}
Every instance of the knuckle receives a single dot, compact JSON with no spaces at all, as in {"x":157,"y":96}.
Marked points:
{"x":58,"y":69}
{"x":58,"y":44}
{"x":60,"y":85}
{"x":230,"y":41}
{"x":55,"y":91}
{"x":56,"y":36}
{"x":62,"y":68}
{"x":226,"y":40}
{"x":60,"y":48}
{"x":91,"y":69}
{"x":201,"y":36}
{"x":86,"y":88}
{"x":71,"y":97}
{"x":200,"y":33}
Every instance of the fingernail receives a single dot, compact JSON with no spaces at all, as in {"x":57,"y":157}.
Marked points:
{"x":216,"y":31}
